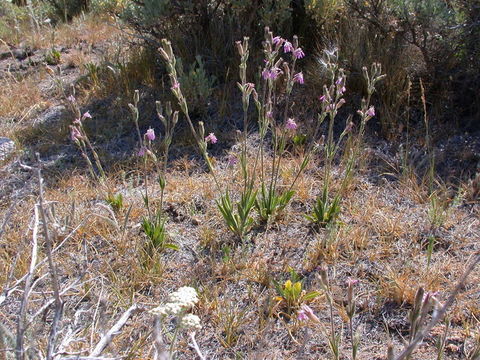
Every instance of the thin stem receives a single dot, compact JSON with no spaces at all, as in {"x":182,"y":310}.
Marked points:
{"x":352,"y":338}
{"x":174,"y":339}
{"x":52,"y":268}
{"x":147,"y":200}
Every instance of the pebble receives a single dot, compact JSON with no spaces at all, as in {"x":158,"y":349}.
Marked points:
{"x":7,"y":148}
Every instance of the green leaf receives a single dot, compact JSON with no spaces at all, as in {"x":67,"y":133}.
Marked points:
{"x":311,"y":295}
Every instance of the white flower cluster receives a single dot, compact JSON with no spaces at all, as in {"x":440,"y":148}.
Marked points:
{"x":184,"y":298}
{"x":191,"y":321}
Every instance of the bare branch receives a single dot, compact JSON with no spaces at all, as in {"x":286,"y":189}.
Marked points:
{"x":21,"y":327}
{"x":195,"y":346}
{"x":107,"y":338}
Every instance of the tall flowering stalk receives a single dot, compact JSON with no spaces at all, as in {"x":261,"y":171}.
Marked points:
{"x":237,"y":217}
{"x":198,"y":134}
{"x":154,"y":225}
{"x":326,"y":209}
{"x":354,"y":336}
{"x":334,"y":338}
{"x":79,"y":136}
{"x":271,"y":201}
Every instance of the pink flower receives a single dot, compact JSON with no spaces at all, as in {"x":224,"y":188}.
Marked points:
{"x":352,"y":282}
{"x":340,"y":103}
{"x":272,"y":73}
{"x":269,"y":115}
{"x":291,"y":124}
{"x":298,"y":53}
{"x":275,"y":72}
{"x":323,"y":98}
{"x":150,"y":134}
{"x":278,"y":40}
{"x":176,"y":85}
{"x":305,"y":313}
{"x":232,"y":160}
{"x":371,"y":111}
{"x":211,"y":138}
{"x":75,"y":133}
{"x":266,"y":74}
{"x":77,"y":121}
{"x":298,"y":78}
{"x":287,"y":46}
{"x":87,"y":115}
{"x":71,"y":98}
{"x":302,"y":315}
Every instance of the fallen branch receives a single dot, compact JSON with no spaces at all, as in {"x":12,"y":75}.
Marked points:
{"x":107,"y":338}
{"x":21,"y":327}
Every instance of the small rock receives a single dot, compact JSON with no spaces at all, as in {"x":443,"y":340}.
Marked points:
{"x":7,"y":147}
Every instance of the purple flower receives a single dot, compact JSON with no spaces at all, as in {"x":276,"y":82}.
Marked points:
{"x":150,"y":134}
{"x":342,"y":90}
{"x":211,"y":138}
{"x":298,"y":53}
{"x":298,"y":78}
{"x":77,"y":121}
{"x":141,"y":152}
{"x":269,"y":115}
{"x":323,"y":98}
{"x":266,"y":74}
{"x":340,"y":103}
{"x":275,"y":72}
{"x":175,"y":85}
{"x":371,"y":111}
{"x":305,"y":313}
{"x":302,"y":315}
{"x":87,"y":115}
{"x":291,"y":124}
{"x":278,"y":40}
{"x":232,"y":160}
{"x":287,"y":47}
{"x":75,"y":133}
{"x":351,"y":282}
{"x":272,"y":73}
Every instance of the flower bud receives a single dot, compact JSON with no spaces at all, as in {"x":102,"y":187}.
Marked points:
{"x":295,"y":41}
{"x":175,"y":118}
{"x":161,"y":182}
{"x":201,"y":129}
{"x":168,"y":108}
{"x":239,"y":48}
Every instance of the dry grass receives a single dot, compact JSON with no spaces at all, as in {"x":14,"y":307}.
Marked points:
{"x":19,"y":101}
{"x":380,"y":243}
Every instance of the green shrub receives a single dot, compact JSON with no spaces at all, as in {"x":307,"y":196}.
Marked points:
{"x":66,"y":10}
{"x":197,"y":85}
